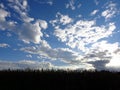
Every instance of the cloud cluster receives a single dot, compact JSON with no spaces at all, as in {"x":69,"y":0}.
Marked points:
{"x":20,"y":7}
{"x":27,"y":34}
{"x":84,"y":33}
{"x":86,"y":41}
{"x":63,"y":54}
{"x":25,"y":64}
{"x":36,"y":65}
{"x":61,"y":20}
{"x":90,"y":39}
{"x":110,"y":11}
{"x":4,"y":24}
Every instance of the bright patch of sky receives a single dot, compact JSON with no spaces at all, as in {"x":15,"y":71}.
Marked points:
{"x":63,"y":34}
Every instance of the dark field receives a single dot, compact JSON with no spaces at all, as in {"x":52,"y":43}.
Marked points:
{"x":59,"y":80}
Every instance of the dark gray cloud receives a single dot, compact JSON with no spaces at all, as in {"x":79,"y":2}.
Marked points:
{"x":99,"y":65}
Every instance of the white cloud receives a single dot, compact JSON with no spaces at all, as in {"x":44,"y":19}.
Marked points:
{"x":29,"y":56}
{"x":25,"y":4}
{"x":61,"y":19}
{"x":32,"y":33}
{"x":73,"y":4}
{"x":43,"y":24}
{"x":3,"y":14}
{"x":103,"y":55}
{"x":25,"y":64}
{"x":49,"y":2}
{"x":94,"y":12}
{"x":21,"y":8}
{"x":87,"y":37}
{"x":4,"y":24}
{"x":83,"y":33}
{"x":110,"y":11}
{"x":27,"y":34}
{"x":79,"y":66}
{"x":64,"y":54}
{"x":65,"y":19}
{"x":4,"y":45}
{"x":115,"y":60}
{"x":105,"y":46}
{"x":37,"y":65}
{"x":21,"y":4}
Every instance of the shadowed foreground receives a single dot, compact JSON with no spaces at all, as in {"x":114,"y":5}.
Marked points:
{"x":59,"y":80}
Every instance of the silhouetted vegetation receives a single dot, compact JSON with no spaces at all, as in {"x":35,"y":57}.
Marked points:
{"x":59,"y":80}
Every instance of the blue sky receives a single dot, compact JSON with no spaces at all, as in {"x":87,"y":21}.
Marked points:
{"x":75,"y":34}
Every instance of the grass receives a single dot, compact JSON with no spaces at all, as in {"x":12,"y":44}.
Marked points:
{"x":59,"y":80}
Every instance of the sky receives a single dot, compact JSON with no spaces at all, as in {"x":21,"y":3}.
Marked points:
{"x":60,"y":34}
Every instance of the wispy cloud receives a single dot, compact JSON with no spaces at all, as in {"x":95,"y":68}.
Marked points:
{"x":49,"y":2}
{"x":96,"y":2}
{"x":94,"y":12}
{"x":29,"y":56}
{"x":64,"y":54}
{"x":73,"y":4}
{"x":4,"y":45}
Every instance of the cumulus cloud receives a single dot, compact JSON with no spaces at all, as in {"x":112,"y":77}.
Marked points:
{"x":27,"y":34}
{"x":32,"y":33}
{"x":25,"y":64}
{"x":110,"y":11}
{"x":114,"y":64}
{"x":115,"y":60}
{"x":4,"y":45}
